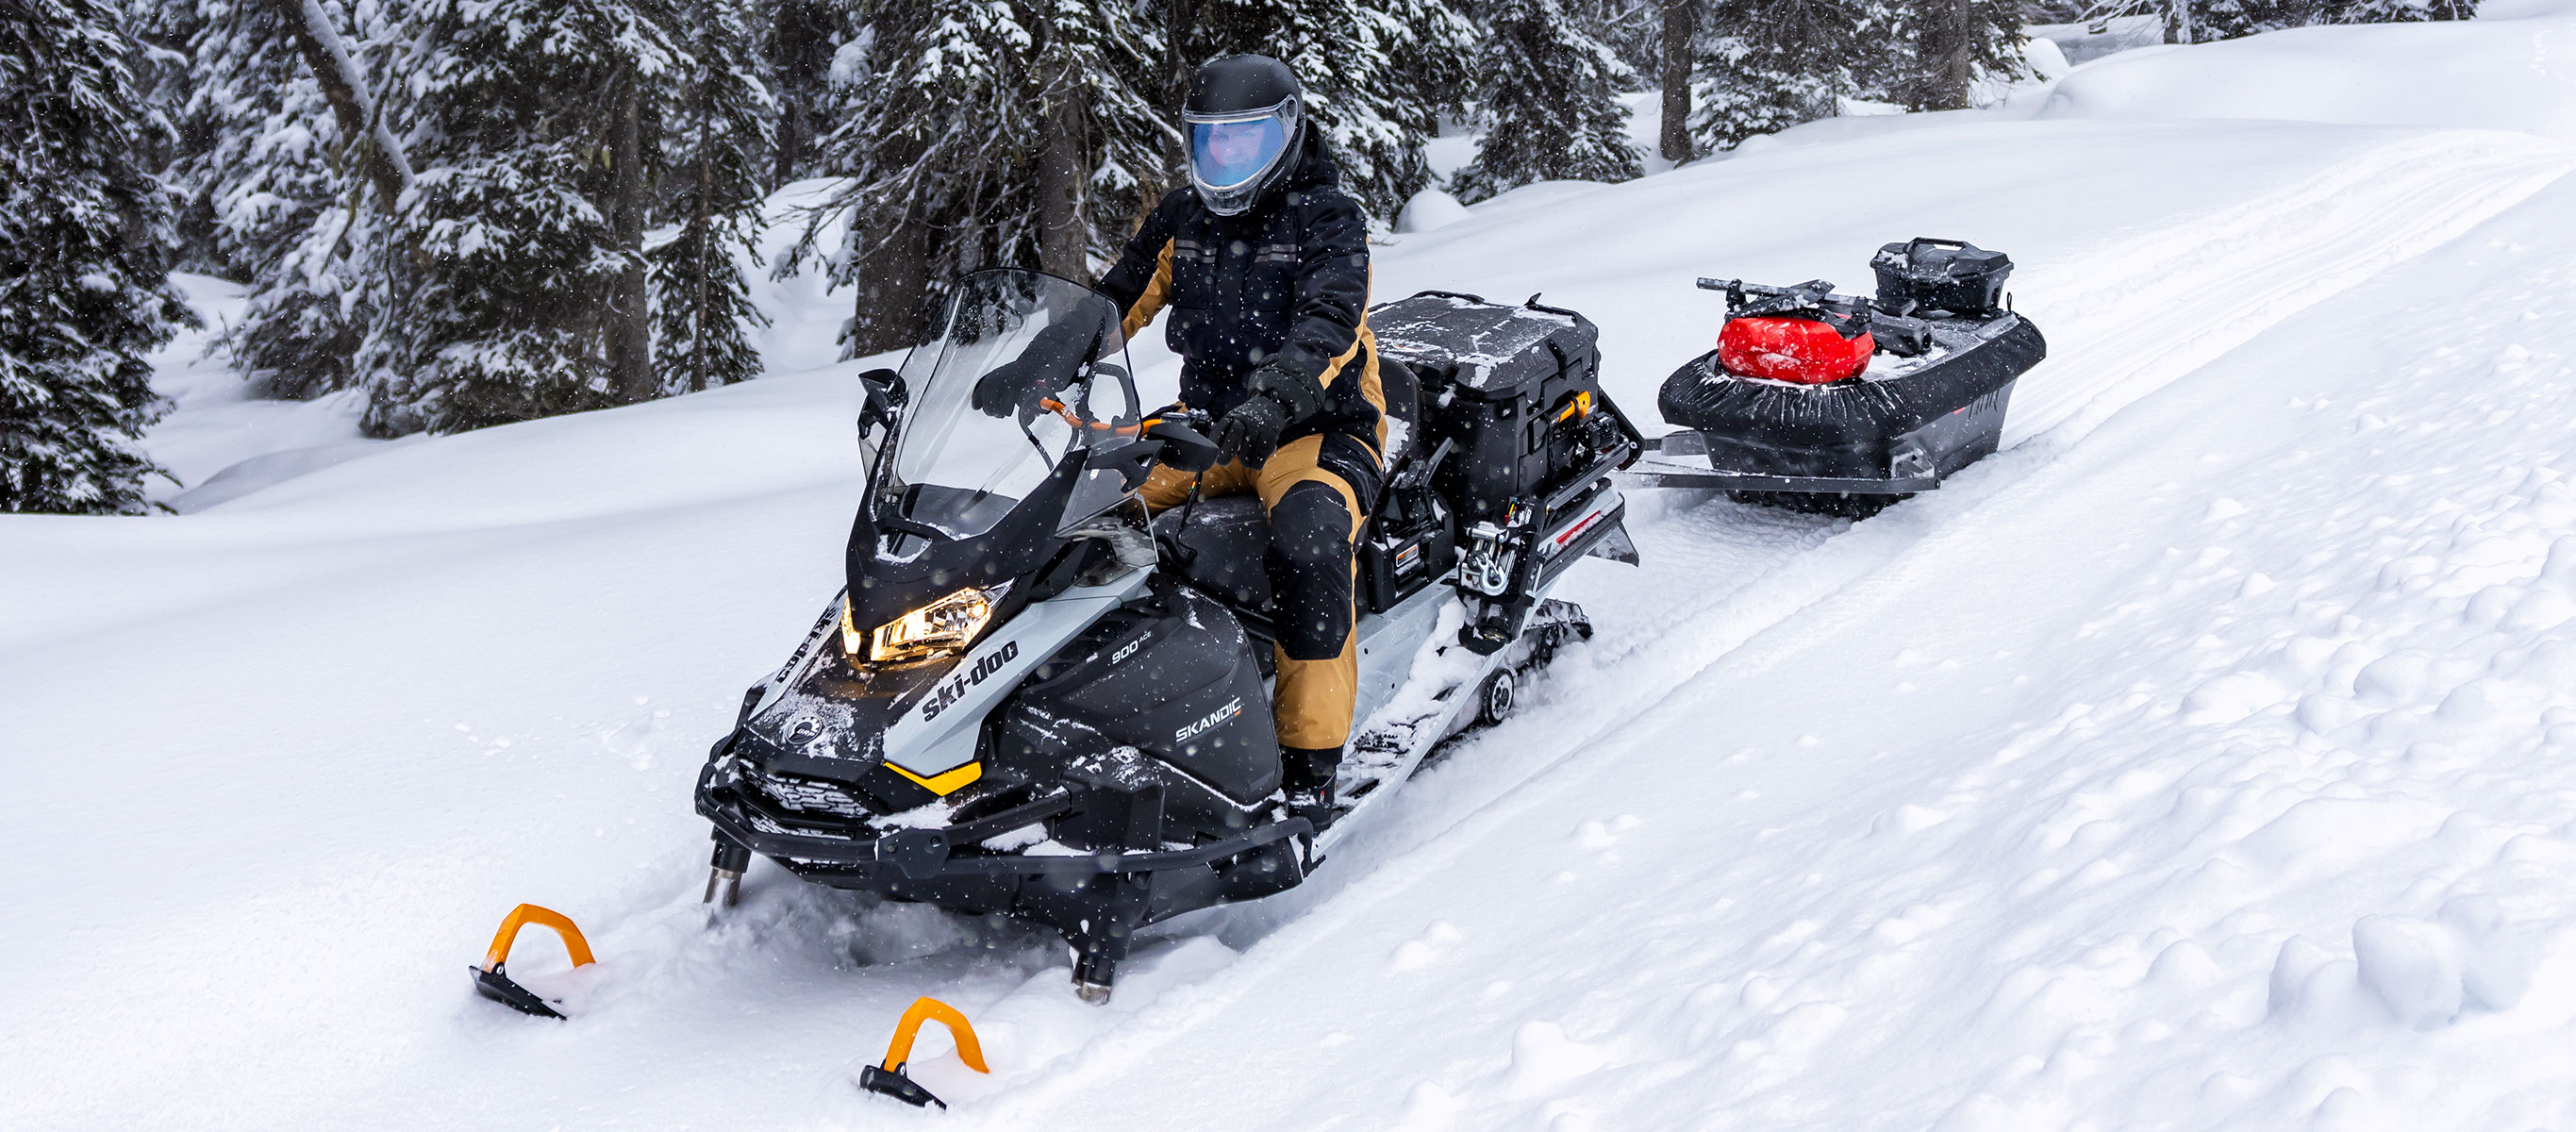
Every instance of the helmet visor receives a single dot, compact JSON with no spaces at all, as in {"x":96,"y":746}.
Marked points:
{"x":1228,"y":154}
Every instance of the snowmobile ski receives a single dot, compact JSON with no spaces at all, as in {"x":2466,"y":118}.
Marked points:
{"x":889,"y":1077}
{"x":492,"y":978}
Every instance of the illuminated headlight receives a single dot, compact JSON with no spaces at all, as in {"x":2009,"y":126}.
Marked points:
{"x":948,"y":623}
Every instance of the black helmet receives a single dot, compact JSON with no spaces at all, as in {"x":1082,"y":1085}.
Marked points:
{"x":1246,"y":116}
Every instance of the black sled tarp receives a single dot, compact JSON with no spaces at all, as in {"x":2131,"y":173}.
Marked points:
{"x":1926,"y":421}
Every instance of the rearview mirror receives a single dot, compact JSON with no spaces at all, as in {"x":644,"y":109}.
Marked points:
{"x":1183,"y":448}
{"x":1131,"y":460}
{"x":886,"y":395}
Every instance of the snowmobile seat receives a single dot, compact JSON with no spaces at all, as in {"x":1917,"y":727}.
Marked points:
{"x":1219,"y":549}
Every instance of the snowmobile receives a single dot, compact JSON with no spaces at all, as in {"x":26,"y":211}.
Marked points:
{"x":1033,"y":698}
{"x":1843,"y":405}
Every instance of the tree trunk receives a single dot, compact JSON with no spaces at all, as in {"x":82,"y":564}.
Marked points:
{"x":1180,"y":38}
{"x":1947,"y":79}
{"x":893,"y":272}
{"x":1180,"y":35}
{"x":630,"y":334}
{"x":1064,"y":244}
{"x":1676,"y":139}
{"x":2177,"y":21}
{"x":345,"y":89}
{"x":800,"y":49}
{"x":702,"y":256}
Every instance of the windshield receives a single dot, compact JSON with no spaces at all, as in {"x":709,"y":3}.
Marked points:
{"x":1021,"y":369}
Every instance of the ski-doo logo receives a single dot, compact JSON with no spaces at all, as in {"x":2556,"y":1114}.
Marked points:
{"x":946,"y":695}
{"x":1232,"y":708}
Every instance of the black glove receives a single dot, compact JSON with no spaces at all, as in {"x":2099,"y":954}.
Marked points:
{"x":1017,"y":385}
{"x":1051,"y":361}
{"x":1281,"y":396}
{"x":1251,"y":432}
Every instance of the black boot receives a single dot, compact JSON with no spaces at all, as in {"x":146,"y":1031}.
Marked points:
{"x":1306,"y":777}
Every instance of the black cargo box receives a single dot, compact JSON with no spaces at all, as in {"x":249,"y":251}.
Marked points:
{"x":1924,"y":274}
{"x":1515,"y":388}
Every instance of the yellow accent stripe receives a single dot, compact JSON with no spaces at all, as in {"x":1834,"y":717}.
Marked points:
{"x":944,"y":783}
{"x":1157,"y":290}
{"x":1359,"y":336}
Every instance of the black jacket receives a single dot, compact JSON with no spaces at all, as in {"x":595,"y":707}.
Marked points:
{"x":1290,"y":276}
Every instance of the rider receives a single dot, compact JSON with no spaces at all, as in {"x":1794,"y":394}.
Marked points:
{"x":1264,"y":263}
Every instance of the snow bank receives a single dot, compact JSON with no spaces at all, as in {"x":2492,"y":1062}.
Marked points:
{"x":217,"y":421}
{"x":1430,"y":210}
{"x":2516,"y":74}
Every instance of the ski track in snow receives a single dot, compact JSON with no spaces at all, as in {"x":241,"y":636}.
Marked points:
{"x":2178,"y":302}
{"x":2155,"y":308}
{"x":2358,"y":734}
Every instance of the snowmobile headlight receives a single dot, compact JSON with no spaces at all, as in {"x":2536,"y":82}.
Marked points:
{"x":948,"y":623}
{"x":853,"y":640}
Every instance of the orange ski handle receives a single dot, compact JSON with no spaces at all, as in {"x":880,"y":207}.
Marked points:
{"x":899,"y":1051}
{"x":522,"y":916}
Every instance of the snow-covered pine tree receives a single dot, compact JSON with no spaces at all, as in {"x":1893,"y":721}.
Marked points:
{"x":1934,"y":53}
{"x":2204,"y":21}
{"x":717,"y":121}
{"x":1098,"y":165}
{"x":1640,"y":32}
{"x":165,"y":74}
{"x":86,"y":242}
{"x":1547,"y":97}
{"x":1632,"y":28}
{"x":520,"y":290}
{"x":1377,"y":75}
{"x":1767,"y":65}
{"x":979,"y":126}
{"x":798,"y":44}
{"x":278,"y":184}
{"x":2386,"y":11}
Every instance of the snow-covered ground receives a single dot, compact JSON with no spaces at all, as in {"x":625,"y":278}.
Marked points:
{"x":2206,"y":759}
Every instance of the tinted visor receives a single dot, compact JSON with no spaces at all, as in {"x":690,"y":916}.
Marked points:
{"x":1227,"y":154}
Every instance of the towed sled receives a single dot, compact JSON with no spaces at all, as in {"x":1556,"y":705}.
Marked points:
{"x":1034,"y":699}
{"x":1842,"y":405}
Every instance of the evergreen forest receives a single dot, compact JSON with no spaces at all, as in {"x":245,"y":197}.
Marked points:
{"x":475,"y":212}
